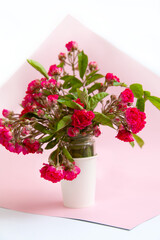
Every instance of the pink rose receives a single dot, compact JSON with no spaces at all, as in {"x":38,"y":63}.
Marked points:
{"x":34,"y":85}
{"x":32,"y":146}
{"x":6,"y":113}
{"x":71,"y":46}
{"x":72,"y":174}
{"x":110,"y":77}
{"x":28,"y":100}
{"x":51,"y":173}
{"x":125,"y":136}
{"x":52,"y":98}
{"x":51,"y":83}
{"x":72,"y":132}
{"x":54,"y":70}
{"x":82,"y":118}
{"x":135,"y":119}
{"x":116,"y":78}
{"x":93,"y":66}
{"x":127,"y":96}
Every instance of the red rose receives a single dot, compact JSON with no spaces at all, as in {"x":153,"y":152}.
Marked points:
{"x":125,"y":136}
{"x":71,"y":46}
{"x":135,"y":119}
{"x":52,"y":173}
{"x":127,"y":96}
{"x":109,"y":76}
{"x":82,"y":118}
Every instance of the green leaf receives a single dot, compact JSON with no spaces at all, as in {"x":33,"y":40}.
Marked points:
{"x":82,"y":63}
{"x":53,"y":156}
{"x":83,"y":96}
{"x":140,"y":104}
{"x":30,"y":115}
{"x":69,"y":97}
{"x":115,"y":83}
{"x":70,"y":103}
{"x":137,"y":90}
{"x":102,"y":119}
{"x":46,"y":92}
{"x":61,"y":65}
{"x":95,"y":99}
{"x":64,"y":122}
{"x":46,"y":139}
{"x":146,"y":95}
{"x":132,"y":144}
{"x":38,"y":67}
{"x":52,"y":144}
{"x":155,"y":101}
{"x":41,"y":128}
{"x":71,"y":81}
{"x":96,"y":86}
{"x":93,"y":78}
{"x":67,"y":154}
{"x":138,"y":140}
{"x":91,"y":74}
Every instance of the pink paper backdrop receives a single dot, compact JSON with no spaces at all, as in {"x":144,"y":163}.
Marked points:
{"x":128,"y":179}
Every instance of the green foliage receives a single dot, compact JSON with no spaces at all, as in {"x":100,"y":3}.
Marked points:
{"x":46,"y":92}
{"x":61,"y":65}
{"x":93,"y":78}
{"x":155,"y":101}
{"x":103,"y":119}
{"x":63,"y":122}
{"x":53,"y":155}
{"x":83,"y":96}
{"x":115,"y":83}
{"x":132,"y":144}
{"x":82,"y":63}
{"x":137,"y":90}
{"x":146,"y":95}
{"x":67,"y":154}
{"x":139,"y":140}
{"x":38,"y":67}
{"x":96,"y":86}
{"x":70,"y":103}
{"x":30,"y":115}
{"x":46,"y":139}
{"x":41,"y":128}
{"x":93,"y":101}
{"x":71,"y":81}
{"x":52,"y":144}
{"x":91,"y":74}
{"x":140,"y":104}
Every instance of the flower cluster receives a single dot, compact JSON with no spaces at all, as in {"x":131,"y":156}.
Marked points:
{"x":56,"y":174}
{"x":61,"y":106}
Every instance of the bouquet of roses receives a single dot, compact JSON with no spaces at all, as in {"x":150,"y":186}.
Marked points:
{"x":61,"y":106}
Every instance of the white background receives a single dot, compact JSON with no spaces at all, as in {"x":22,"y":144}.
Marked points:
{"x":131,"y":25}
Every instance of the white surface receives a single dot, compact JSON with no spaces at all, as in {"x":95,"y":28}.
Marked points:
{"x":23,"y":226}
{"x":80,"y":192}
{"x":131,"y":25}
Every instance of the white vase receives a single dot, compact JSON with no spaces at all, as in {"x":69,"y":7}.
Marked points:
{"x":80,"y":192}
